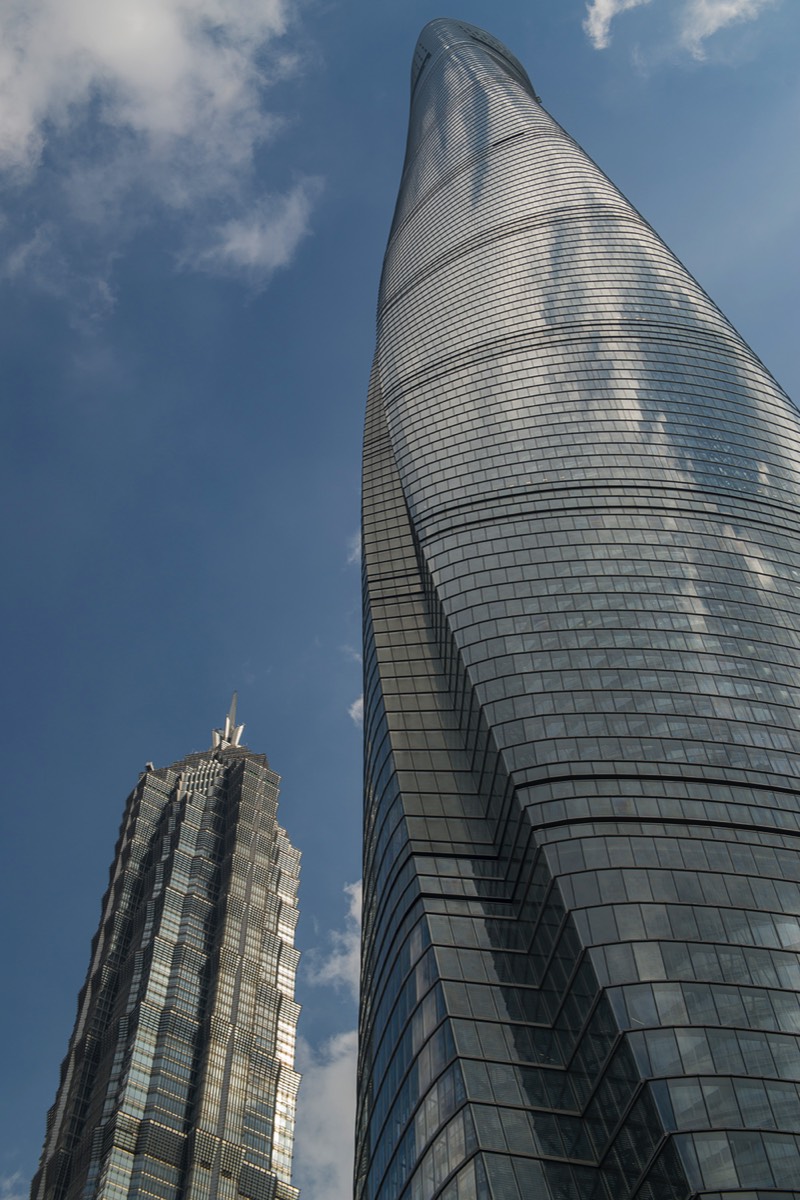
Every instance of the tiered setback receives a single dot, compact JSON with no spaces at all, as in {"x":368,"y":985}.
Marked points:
{"x":582,"y":674}
{"x":179,"y":1083}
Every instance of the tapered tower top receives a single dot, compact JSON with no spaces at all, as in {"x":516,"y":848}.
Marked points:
{"x":445,"y":32}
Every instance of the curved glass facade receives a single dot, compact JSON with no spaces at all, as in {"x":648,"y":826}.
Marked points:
{"x":179,"y":1081}
{"x":581,"y":542}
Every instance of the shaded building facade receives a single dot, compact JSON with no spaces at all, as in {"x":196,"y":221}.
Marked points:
{"x":179,"y":1079}
{"x":581,"y":555}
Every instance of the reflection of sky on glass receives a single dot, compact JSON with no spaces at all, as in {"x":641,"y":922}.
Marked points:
{"x":536,"y":338}
{"x":182,"y":454}
{"x":569,"y":260}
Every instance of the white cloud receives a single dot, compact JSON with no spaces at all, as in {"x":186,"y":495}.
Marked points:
{"x":600,"y":14}
{"x":324,"y":1135}
{"x":354,"y":549}
{"x":356,"y":711}
{"x":694,"y":20}
{"x":351,"y":652}
{"x":323,"y":1157}
{"x":703,"y":18}
{"x":264,"y":239}
{"x":162,"y":70}
{"x":126,"y":110}
{"x":340,"y":964}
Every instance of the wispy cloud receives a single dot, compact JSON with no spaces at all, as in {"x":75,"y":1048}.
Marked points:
{"x":351,"y":652}
{"x":703,"y":18}
{"x":339,"y":963}
{"x":694,"y":21}
{"x":323,"y":1158}
{"x":354,"y":549}
{"x":37,"y":258}
{"x":256,"y":244}
{"x":356,"y":711}
{"x":600,"y":14}
{"x":14,"y":1187}
{"x":141,"y":108}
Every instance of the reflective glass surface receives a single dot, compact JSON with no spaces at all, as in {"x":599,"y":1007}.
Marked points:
{"x":582,"y":639}
{"x":179,"y":1080}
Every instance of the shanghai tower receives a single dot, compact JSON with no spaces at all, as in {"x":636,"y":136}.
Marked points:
{"x":581,"y":547}
{"x":179,"y":1080}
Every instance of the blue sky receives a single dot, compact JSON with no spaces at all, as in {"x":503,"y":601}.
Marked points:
{"x":195,"y":201}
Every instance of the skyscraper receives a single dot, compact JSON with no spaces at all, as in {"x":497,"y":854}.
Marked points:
{"x":581,"y":540}
{"x":179,"y":1079}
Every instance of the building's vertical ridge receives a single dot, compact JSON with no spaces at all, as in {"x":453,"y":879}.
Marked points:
{"x":582,"y":639}
{"x":179,"y":1080}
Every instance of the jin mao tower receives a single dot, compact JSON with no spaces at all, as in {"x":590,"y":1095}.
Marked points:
{"x":581,"y":534}
{"x":179,"y":1079}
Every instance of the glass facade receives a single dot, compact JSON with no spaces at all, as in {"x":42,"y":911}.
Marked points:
{"x":581,"y":540}
{"x":179,"y":1081}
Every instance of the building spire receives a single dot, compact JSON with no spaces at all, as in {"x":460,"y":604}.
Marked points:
{"x":230,"y":734}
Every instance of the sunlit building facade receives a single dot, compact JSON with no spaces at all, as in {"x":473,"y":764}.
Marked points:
{"x":179,"y":1080}
{"x":581,"y":544}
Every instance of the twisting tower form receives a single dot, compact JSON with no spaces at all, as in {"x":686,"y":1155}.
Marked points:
{"x":582,"y":662}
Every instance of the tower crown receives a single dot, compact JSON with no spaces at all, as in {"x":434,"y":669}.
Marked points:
{"x":443,"y":33}
{"x":230,"y":734}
